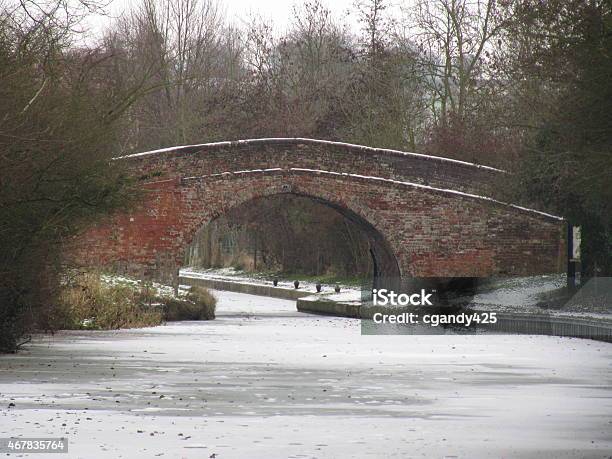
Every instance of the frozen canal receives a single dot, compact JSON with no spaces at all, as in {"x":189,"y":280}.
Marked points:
{"x":263,"y":381}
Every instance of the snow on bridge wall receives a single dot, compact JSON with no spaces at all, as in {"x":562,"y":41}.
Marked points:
{"x":425,"y":216}
{"x":245,"y":155}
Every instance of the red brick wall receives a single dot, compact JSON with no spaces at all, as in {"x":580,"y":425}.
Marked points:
{"x":428,"y":232}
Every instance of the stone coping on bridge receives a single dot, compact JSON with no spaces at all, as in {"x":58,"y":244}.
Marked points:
{"x":186,"y":149}
{"x":268,"y":154}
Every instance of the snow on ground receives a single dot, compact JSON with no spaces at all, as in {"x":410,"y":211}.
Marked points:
{"x":520,"y":291}
{"x":263,"y":381}
{"x":160,"y":289}
{"x":533,"y":294}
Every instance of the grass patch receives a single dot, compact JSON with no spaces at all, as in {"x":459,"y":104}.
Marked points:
{"x":105,"y":302}
{"x":198,"y":304}
{"x":87,"y":302}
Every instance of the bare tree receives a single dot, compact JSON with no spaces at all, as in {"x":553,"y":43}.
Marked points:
{"x":454,"y":39}
{"x":195,"y":60}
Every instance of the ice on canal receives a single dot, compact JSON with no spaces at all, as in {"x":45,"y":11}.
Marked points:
{"x":264,"y":381}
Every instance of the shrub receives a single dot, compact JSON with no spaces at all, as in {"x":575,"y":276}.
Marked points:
{"x":12,"y":325}
{"x":199,"y":304}
{"x":87,"y":302}
{"x":58,"y":132}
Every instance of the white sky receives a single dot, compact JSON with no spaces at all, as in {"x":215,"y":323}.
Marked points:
{"x":279,"y":12}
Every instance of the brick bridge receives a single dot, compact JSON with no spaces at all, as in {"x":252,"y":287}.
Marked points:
{"x":424,"y":216}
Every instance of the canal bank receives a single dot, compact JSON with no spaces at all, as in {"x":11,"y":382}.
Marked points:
{"x":231,"y":281}
{"x":348,"y":304}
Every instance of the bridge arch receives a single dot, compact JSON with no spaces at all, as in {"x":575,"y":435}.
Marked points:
{"x":237,"y":189}
{"x":383,"y":261}
{"x":419,"y":212}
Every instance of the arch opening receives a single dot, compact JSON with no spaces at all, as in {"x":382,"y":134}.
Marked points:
{"x":294,"y":234}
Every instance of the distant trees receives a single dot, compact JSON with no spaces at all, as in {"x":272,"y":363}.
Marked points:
{"x":454,"y":39}
{"x":218,"y":82}
{"x":426,"y":81}
{"x":191,"y":62}
{"x":295,"y":82}
{"x":455,"y":43}
{"x":460,"y":78}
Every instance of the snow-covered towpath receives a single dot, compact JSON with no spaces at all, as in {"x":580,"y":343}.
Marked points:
{"x":263,"y":381}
